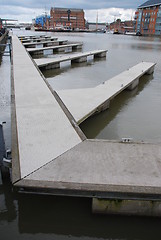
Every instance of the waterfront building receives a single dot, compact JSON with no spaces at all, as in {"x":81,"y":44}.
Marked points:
{"x":95,"y":26}
{"x":122,"y":26}
{"x":148,"y":18}
{"x":42,"y":21}
{"x":0,"y":23}
{"x":67,"y":18}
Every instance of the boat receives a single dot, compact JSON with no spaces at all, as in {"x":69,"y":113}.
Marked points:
{"x":130,"y":33}
{"x":138,"y":34}
{"x":116,"y":31}
{"x":28,"y":28}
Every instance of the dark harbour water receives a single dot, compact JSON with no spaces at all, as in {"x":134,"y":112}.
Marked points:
{"x":133,"y":114}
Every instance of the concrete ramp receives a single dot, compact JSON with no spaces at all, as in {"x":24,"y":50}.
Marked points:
{"x":82,"y":103}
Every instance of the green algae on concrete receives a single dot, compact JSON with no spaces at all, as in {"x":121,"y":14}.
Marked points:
{"x":126,"y":207}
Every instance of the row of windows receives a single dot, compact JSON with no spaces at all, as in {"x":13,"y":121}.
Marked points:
{"x":146,"y":14}
{"x":148,"y":8}
{"x":150,"y":26}
{"x":65,"y":14}
{"x":148,"y":20}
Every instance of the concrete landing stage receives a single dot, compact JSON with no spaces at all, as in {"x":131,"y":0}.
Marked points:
{"x":74,"y":58}
{"x":104,"y":169}
{"x":82,"y":103}
{"x":41,"y":130}
{"x":50,"y":154}
{"x":39,"y":39}
{"x":59,"y":48}
{"x":54,"y":42}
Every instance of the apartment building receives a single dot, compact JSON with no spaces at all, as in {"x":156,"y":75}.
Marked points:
{"x":148,"y":18}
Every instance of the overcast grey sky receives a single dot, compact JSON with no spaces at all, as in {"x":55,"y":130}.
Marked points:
{"x":25,"y":10}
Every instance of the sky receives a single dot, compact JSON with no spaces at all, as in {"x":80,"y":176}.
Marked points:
{"x":26,"y":10}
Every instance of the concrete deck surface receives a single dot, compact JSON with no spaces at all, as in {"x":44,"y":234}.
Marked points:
{"x":32,"y":36}
{"x":82,"y":103}
{"x":44,"y":131}
{"x":46,"y":61}
{"x":55,"y":40}
{"x":53,"y":158}
{"x":30,"y":50}
{"x":37,"y":39}
{"x":102,"y":166}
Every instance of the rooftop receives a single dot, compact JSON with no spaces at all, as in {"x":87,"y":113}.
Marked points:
{"x":66,"y":9}
{"x":150,"y":3}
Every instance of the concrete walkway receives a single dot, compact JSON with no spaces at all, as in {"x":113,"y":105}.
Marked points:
{"x":103,"y":169}
{"x":82,"y":103}
{"x":77,"y":57}
{"x":45,"y":43}
{"x":54,"y":48}
{"x":32,"y":36}
{"x":40,"y":39}
{"x":44,"y":132}
{"x":51,"y":155}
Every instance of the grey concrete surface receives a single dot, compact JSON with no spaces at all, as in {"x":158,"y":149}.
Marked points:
{"x":40,"y":39}
{"x":41,"y":62}
{"x":53,"y":158}
{"x":43,"y":130}
{"x":32,"y":50}
{"x":32,"y":36}
{"x":82,"y":103}
{"x":103,"y":166}
{"x":126,"y":207}
{"x":55,"y":41}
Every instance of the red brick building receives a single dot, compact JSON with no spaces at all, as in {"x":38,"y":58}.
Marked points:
{"x":122,"y":26}
{"x":67,"y":18}
{"x":0,"y":23}
{"x":148,"y":18}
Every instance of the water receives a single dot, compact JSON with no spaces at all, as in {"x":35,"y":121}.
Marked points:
{"x":133,"y":114}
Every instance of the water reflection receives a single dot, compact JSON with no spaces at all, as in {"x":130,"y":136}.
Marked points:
{"x":116,"y":105}
{"x":66,"y":66}
{"x":72,"y":217}
{"x":58,"y":80}
{"x":8,"y":212}
{"x":50,"y":217}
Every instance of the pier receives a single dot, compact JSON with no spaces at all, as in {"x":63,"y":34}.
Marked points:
{"x":32,"y":36}
{"x":50,"y":153}
{"x":40,"y":39}
{"x":58,"y":48}
{"x":99,"y":97}
{"x":74,"y":58}
{"x":45,"y":43}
